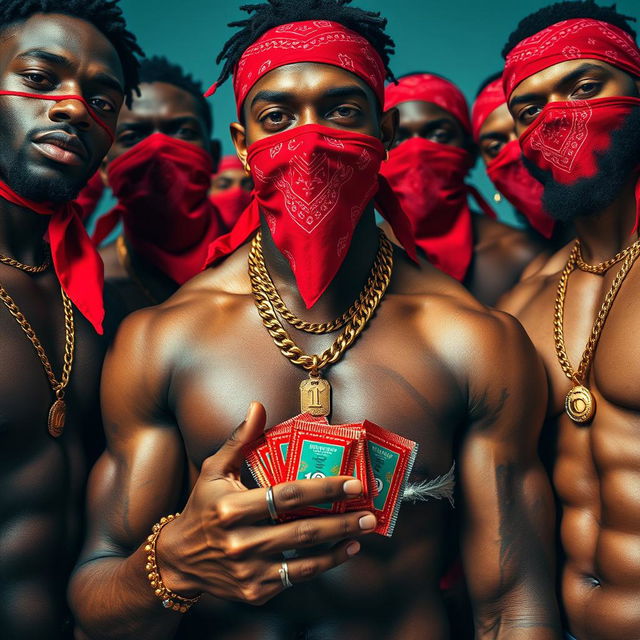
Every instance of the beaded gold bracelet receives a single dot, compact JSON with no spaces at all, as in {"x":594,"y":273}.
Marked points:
{"x":170,"y":600}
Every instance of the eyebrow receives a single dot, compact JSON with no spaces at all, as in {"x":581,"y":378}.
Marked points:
{"x":492,"y":135}
{"x":268,"y":95}
{"x":568,"y":79}
{"x":141,"y":126}
{"x":108,"y":81}
{"x":47,"y":56}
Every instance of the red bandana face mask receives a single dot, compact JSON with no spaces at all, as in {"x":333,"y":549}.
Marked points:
{"x":230,"y":204}
{"x":520,"y":188}
{"x":429,"y":180}
{"x":567,"y":137}
{"x":312,"y":184}
{"x":162,"y":187}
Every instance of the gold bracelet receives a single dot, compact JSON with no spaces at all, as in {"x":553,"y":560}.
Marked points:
{"x":170,"y":600}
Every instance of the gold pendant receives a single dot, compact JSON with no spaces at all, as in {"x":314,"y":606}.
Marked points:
{"x":579,"y":404}
{"x":57,"y":415}
{"x":315,"y":396}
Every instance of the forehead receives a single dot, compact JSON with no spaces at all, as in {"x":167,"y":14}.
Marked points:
{"x":158,"y":99}
{"x":306,"y":79}
{"x":498,"y":121}
{"x":417,"y":111}
{"x":548,"y":78}
{"x":73,"y":38}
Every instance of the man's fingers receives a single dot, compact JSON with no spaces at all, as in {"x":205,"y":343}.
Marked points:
{"x":310,"y":567}
{"x":246,"y":507}
{"x":309,"y":532}
{"x":228,"y":459}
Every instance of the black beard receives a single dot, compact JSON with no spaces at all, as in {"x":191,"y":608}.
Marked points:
{"x":37,"y":189}
{"x":589,"y":196}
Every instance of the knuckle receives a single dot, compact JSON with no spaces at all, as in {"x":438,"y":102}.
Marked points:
{"x":226,"y":511}
{"x":244,"y":573}
{"x":307,"y":533}
{"x":308,"y":570}
{"x":252,"y":594}
{"x":290,"y":495}
{"x":234,"y":546}
{"x":329,"y":490}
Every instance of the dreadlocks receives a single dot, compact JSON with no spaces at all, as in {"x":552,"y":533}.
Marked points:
{"x":560,"y":11}
{"x":273,"y":13}
{"x":104,"y":15}
{"x":159,"y":69}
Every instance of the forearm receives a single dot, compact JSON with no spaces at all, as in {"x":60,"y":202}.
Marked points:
{"x":112,"y":599}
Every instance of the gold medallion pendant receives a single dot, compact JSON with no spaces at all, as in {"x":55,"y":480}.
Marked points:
{"x":579,"y":404}
{"x":57,"y":416}
{"x":315,"y":396}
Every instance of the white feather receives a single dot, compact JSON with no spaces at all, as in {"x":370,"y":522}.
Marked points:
{"x":437,"y":489}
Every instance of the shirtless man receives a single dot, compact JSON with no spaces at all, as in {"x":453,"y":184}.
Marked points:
{"x":432,"y":156}
{"x":49,"y":147}
{"x":433,"y":365}
{"x":589,"y":75}
{"x":159,"y":169}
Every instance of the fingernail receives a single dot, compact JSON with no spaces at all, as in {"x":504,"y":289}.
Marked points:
{"x":353,"y":548}
{"x":249,"y":410}
{"x":352,"y":487}
{"x":367,"y":522}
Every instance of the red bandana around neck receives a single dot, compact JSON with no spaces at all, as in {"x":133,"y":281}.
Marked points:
{"x":320,"y":41}
{"x":162,"y":187}
{"x":77,"y":264}
{"x":312,"y":184}
{"x":429,"y":180}
{"x":575,"y":39}
{"x":427,"y":87}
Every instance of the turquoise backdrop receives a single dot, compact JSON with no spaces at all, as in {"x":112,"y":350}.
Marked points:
{"x":460,"y":39}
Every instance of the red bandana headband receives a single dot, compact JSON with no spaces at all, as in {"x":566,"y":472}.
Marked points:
{"x":574,"y":39}
{"x":488,"y":100}
{"x":429,"y":88}
{"x":319,"y":41}
{"x":229,"y":163}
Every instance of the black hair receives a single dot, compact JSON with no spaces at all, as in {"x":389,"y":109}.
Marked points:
{"x":104,"y":15}
{"x":159,"y":69}
{"x":487,"y":81}
{"x":273,"y":13}
{"x":567,"y":10}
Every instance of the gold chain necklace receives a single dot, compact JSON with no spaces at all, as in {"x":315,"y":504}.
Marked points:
{"x":58,"y":411}
{"x":268,"y":288}
{"x":579,"y":403}
{"x":315,"y":392}
{"x":12,"y":262}
{"x":125,"y":262}
{"x":603,"y":267}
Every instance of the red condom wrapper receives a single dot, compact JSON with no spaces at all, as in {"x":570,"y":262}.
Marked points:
{"x":427,"y":87}
{"x":320,"y":41}
{"x":76,"y":262}
{"x":506,"y":170}
{"x":574,"y":39}
{"x":312,"y":184}
{"x":162,"y":186}
{"x":230,"y":202}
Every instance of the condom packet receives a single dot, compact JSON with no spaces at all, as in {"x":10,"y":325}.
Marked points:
{"x":391,"y":457}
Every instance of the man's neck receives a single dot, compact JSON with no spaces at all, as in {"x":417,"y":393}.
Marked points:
{"x":604,"y":234}
{"x":21,"y":233}
{"x":343,"y":289}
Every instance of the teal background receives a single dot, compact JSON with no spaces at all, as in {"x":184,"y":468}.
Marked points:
{"x":460,"y":39}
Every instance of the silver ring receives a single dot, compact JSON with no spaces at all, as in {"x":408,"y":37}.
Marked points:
{"x":284,"y":576}
{"x":271,"y":505}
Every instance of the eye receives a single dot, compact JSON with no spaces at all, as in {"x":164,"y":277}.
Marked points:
{"x":529,"y":113}
{"x":442,"y":136}
{"x":39,"y":80}
{"x":275,"y":120}
{"x":187,"y":133}
{"x":493,"y":148}
{"x":129,"y":138}
{"x":345,"y":112}
{"x":102,"y":105}
{"x":587,"y":89}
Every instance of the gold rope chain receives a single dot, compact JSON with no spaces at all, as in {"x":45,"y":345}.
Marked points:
{"x":57,"y":385}
{"x":12,"y":262}
{"x":579,"y":376}
{"x":268,"y":288}
{"x":603,"y":267}
{"x":353,"y":328}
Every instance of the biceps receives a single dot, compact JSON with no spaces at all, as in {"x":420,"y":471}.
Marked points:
{"x":130,"y":487}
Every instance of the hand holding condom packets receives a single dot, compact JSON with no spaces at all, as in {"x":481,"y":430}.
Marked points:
{"x":306,"y":447}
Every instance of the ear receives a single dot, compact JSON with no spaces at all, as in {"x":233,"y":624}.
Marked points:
{"x":215,"y":149}
{"x":389,"y":127}
{"x":239,"y":138}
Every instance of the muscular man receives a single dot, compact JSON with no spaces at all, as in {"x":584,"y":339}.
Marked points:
{"x":433,"y":365}
{"x":572,"y":81}
{"x":230,"y":189}
{"x":159,"y":169}
{"x":433,"y":154}
{"x":65,"y":68}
